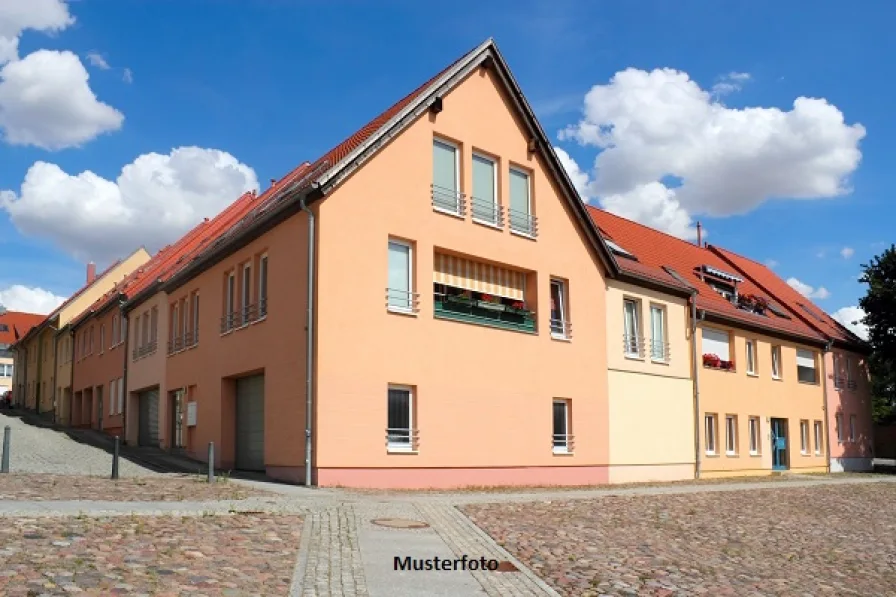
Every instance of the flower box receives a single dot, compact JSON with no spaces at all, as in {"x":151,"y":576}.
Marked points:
{"x":490,"y":305}
{"x":751,"y":302}
{"x":459,"y":299}
{"x":713,"y":361}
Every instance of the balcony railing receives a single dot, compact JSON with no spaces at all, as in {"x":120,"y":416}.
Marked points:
{"x":487,"y":212}
{"x":406,"y":301}
{"x":523,"y":222}
{"x":146,"y":349}
{"x":561,"y":328}
{"x":459,"y":308}
{"x":633,"y":346}
{"x":244,"y":316}
{"x":839,"y":381}
{"x":262,"y":307}
{"x":659,"y":351}
{"x":175,"y":344}
{"x":183,"y":341}
{"x":562,"y":443}
{"x":448,"y":200}
{"x":402,"y":439}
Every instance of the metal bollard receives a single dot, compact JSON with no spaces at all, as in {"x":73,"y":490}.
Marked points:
{"x":4,"y":460}
{"x":211,"y":462}
{"x":115,"y":460}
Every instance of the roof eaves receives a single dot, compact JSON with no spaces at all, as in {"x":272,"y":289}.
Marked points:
{"x":142,"y":296}
{"x":713,"y":315}
{"x":654,"y":283}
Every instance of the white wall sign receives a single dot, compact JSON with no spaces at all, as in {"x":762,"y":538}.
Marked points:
{"x":191,"y":414}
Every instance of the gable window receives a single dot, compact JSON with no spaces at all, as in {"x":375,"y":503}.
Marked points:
{"x":400,"y":424}
{"x":717,"y":349}
{"x":400,"y":294}
{"x":805,"y":366}
{"x":776,"y":362}
{"x":731,"y":435}
{"x":263,"y":286}
{"x":819,"y":438}
{"x":562,"y":438}
{"x":751,"y":357}
{"x":659,"y":350}
{"x":631,"y":311}
{"x":484,"y":201}
{"x":754,"y":435}
{"x":446,"y":195}
{"x":560,"y":327}
{"x":520,"y":213}
{"x":710,"y":427}
{"x":246,"y":297}
{"x":804,"y":437}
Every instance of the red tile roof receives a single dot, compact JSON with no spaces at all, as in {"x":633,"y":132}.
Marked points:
{"x":785,"y":294}
{"x":655,"y":249}
{"x":15,"y":324}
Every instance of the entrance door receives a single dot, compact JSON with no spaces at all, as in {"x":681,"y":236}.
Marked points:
{"x":148,"y":425}
{"x":250,"y":423}
{"x":779,"y":444}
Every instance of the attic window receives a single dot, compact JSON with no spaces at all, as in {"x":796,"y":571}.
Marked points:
{"x":721,"y":274}
{"x":777,"y":310}
{"x":810,"y":311}
{"x":617,"y":250}
{"x":4,"y":327}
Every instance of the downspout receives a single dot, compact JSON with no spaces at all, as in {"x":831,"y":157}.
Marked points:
{"x":309,"y":344}
{"x":695,"y":373}
{"x":826,"y":406}
{"x":124,"y":378}
{"x":55,"y":371}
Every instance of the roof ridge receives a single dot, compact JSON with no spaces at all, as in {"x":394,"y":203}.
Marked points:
{"x":640,"y":225}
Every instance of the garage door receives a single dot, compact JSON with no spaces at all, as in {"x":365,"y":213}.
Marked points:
{"x":148,"y":434}
{"x":250,"y":423}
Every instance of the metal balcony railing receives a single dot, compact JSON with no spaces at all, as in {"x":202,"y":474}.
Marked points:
{"x":561,"y":328}
{"x":487,"y":212}
{"x":562,"y":442}
{"x":228,"y":321}
{"x":262,"y":307}
{"x":659,"y":350}
{"x":402,"y":300}
{"x":523,"y":222}
{"x":633,"y":346}
{"x":402,"y":438}
{"x":146,"y":349}
{"x":447,"y":200}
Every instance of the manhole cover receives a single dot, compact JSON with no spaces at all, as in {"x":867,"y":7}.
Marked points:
{"x":399,"y":523}
{"x":505,"y":566}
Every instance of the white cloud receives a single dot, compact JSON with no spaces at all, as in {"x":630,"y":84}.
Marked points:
{"x":45,"y":101}
{"x":579,"y":179}
{"x":730,"y":83}
{"x":809,"y":291}
{"x":851,"y":318}
{"x":153,"y":202}
{"x":127,"y":76}
{"x":29,"y":300}
{"x":17,"y":16}
{"x":651,"y":125}
{"x":771,"y":263}
{"x":847,"y":252}
{"x":97,"y":60}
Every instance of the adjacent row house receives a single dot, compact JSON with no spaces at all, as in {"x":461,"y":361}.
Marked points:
{"x":431,"y":304}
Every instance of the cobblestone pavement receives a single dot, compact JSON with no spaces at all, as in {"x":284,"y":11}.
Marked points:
{"x":333,"y":557}
{"x":168,"y":488}
{"x":833,"y":539}
{"x":41,"y":450}
{"x":210,"y":555}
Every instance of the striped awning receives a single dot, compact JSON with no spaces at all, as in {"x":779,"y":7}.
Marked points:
{"x":478,"y":277}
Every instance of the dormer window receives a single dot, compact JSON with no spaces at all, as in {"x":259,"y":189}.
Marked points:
{"x":617,"y":250}
{"x":721,"y":281}
{"x":726,"y":290}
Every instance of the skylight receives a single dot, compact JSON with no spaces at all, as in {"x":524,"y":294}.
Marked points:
{"x":810,"y":312}
{"x":777,"y":310}
{"x":619,"y":250}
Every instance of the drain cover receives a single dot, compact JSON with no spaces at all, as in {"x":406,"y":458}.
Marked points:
{"x":399,"y":523}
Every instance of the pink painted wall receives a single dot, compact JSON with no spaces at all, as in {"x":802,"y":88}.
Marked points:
{"x":98,"y":370}
{"x":148,"y":370}
{"x":849,"y":401}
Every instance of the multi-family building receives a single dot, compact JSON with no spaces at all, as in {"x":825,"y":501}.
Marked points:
{"x":13,"y":326}
{"x":42,"y":354}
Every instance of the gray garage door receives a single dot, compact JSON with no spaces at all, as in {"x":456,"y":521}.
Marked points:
{"x":250,"y":423}
{"x":149,"y":418}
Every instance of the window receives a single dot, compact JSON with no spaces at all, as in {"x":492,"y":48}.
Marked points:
{"x":484,"y":200}
{"x":804,"y":437}
{"x":838,"y":379}
{"x":805,"y":366}
{"x":730,"y":435}
{"x":122,"y":330}
{"x":113,"y":341}
{"x":716,"y":349}
{"x":852,"y":428}
{"x":90,"y":341}
{"x":113,"y":401}
{"x":445,"y":178}
{"x":850,"y":380}
{"x":751,"y":357}
{"x":145,"y":329}
{"x":399,"y":294}
{"x":754,"y":435}
{"x":838,"y":423}
{"x":562,"y":438}
{"x":400,"y":430}
{"x":776,"y":362}
{"x":710,"y":427}
{"x":658,"y":351}
{"x":120,"y":394}
{"x":102,"y":337}
{"x":632,"y":332}
{"x":174,"y":315}
{"x":819,"y":437}
{"x":184,"y":320}
{"x":154,"y":325}
{"x":263,"y":286}
{"x":246,"y":297}
{"x":559,"y":308}
{"x":520,"y":212}
{"x":229,"y":291}
{"x":195,"y":317}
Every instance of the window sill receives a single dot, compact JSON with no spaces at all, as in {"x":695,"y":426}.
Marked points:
{"x":401,"y":451}
{"x":400,"y":311}
{"x":808,"y":383}
{"x":777,"y":378}
{"x":487,"y":224}
{"x":755,"y":455}
{"x":719,"y":369}
{"x":522,"y":234}
{"x":732,"y":454}
{"x":563,"y":453}
{"x":260,"y":319}
{"x":804,"y":453}
{"x":634,"y":357}
{"x":448,"y":212}
{"x":756,"y":375}
{"x":712,"y":455}
{"x":561,"y":338}
{"x":664,"y":362}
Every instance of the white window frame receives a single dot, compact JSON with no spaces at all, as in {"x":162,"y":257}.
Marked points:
{"x":495,"y":221}
{"x":245,"y":293}
{"x":755,"y":435}
{"x":229,"y":297}
{"x":565,"y":448}
{"x":102,"y":338}
{"x":804,"y":437}
{"x":409,"y":308}
{"x":401,"y":446}
{"x":751,"y":356}
{"x":194,"y":307}
{"x":112,"y":402}
{"x":563,"y":334}
{"x":819,"y":437}
{"x":731,"y":435}
{"x":263,"y":286}
{"x":838,"y":424}
{"x":711,"y":428}
{"x":814,"y":367}
{"x":458,"y":212}
{"x":711,"y":330}
{"x":528,"y":176}
{"x":633,"y":339}
{"x":777,"y":354}
{"x":175,"y":314}
{"x":120,"y":394}
{"x":663,"y":355}
{"x":852,"y":428}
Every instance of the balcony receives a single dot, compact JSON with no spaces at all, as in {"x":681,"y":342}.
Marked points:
{"x":448,"y":201}
{"x":183,"y":342}
{"x":523,"y":223}
{"x":402,"y":301}
{"x":633,"y":346}
{"x":487,"y":212}
{"x":483,"y":309}
{"x":402,"y":439}
{"x":145,"y":350}
{"x":244,"y":316}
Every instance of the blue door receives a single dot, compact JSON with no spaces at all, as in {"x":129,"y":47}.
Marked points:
{"x":779,"y":444}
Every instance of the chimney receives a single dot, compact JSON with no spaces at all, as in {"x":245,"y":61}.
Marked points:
{"x":91,"y":272}
{"x":699,"y":235}
{"x":273,"y":181}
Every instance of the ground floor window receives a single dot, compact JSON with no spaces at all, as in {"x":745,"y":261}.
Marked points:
{"x":819,"y":437}
{"x":804,"y":437}
{"x":710,"y":428}
{"x":400,"y":425}
{"x":731,"y":435}
{"x":562,"y":437}
{"x":754,"y":435}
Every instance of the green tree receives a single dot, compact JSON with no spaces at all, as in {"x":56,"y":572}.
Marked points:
{"x":879,"y":305}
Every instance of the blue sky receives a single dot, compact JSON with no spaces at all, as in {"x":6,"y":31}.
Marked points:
{"x":274,"y":82}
